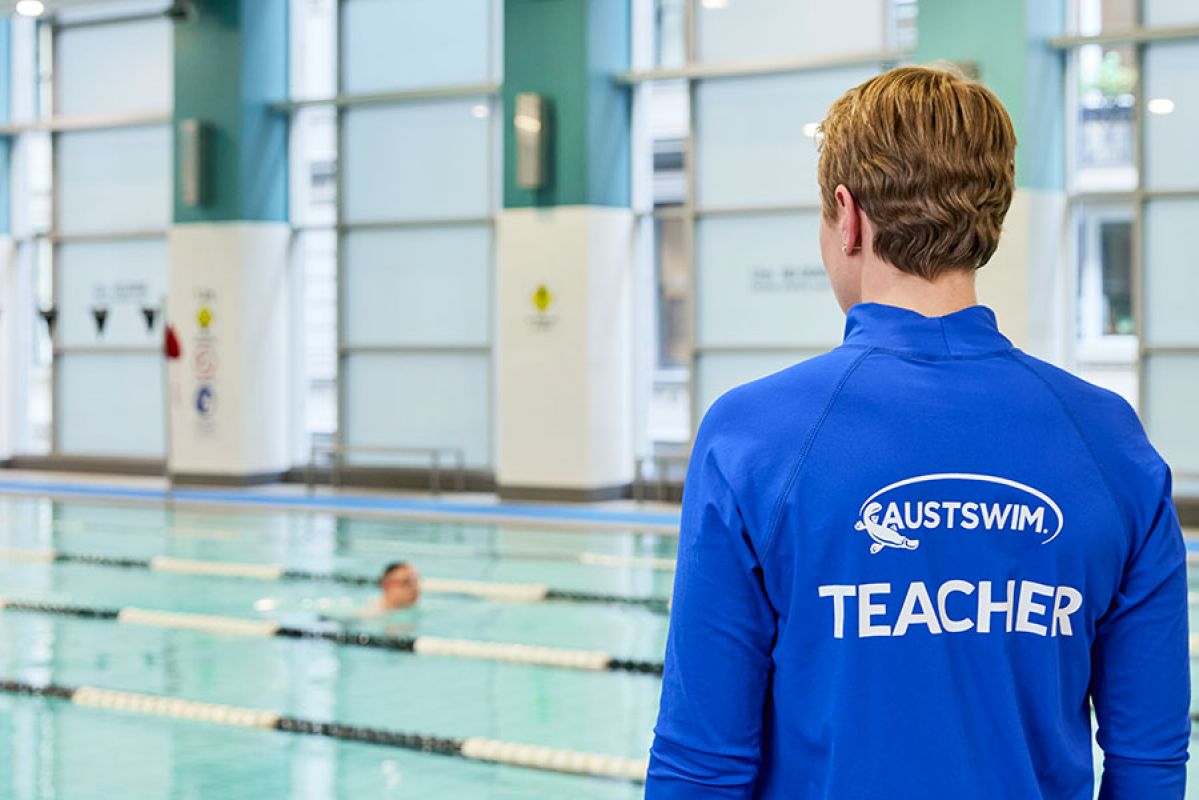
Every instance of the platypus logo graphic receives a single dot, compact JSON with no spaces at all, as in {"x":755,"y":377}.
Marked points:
{"x":881,"y":534}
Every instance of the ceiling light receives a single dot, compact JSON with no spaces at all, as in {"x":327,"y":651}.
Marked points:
{"x":479,"y":111}
{"x":1161,"y":105}
{"x":30,"y":8}
{"x":715,"y":4}
{"x":811,"y":129}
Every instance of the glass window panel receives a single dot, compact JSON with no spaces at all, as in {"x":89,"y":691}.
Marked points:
{"x":110,"y":404}
{"x":762,"y":30}
{"x":1171,"y":397}
{"x":418,"y":286}
{"x":313,"y":182}
{"x":1096,"y":16}
{"x":1172,"y":115}
{"x":905,"y":24}
{"x":408,"y":44}
{"x":761,"y":282}
{"x":673,"y":269}
{"x":117,"y":68}
{"x":113,"y":180}
{"x":313,"y":57}
{"x":1171,"y":272}
{"x":316,"y":251}
{"x":716,"y":373}
{"x":122,"y":277}
{"x":1104,"y":305}
{"x":418,"y":161}
{"x":35,"y":286}
{"x":419,"y":400}
{"x":670,"y":39}
{"x":1167,"y":13}
{"x":1103,"y":138}
{"x":755,"y":136}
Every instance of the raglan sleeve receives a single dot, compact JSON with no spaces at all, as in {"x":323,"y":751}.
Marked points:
{"x":1140,"y":682}
{"x":708,"y":738}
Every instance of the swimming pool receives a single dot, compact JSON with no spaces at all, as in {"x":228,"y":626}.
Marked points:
{"x":59,"y":749}
{"x":54,"y":748}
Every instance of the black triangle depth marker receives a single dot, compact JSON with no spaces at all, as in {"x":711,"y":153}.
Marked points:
{"x":49,"y":316}
{"x":100,"y":314}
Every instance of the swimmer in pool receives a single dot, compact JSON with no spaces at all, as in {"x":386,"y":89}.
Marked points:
{"x":399,"y":588}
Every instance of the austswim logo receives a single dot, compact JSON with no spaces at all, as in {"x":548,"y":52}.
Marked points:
{"x":896,"y":515}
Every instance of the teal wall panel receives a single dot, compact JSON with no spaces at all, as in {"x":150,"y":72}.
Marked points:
{"x":569,"y":51}
{"x":230,"y":63}
{"x":1008,"y":41}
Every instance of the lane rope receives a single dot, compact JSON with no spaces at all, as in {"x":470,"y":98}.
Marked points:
{"x":546,"y":759}
{"x":434,"y":646}
{"x":394,"y":545}
{"x":495,"y":591}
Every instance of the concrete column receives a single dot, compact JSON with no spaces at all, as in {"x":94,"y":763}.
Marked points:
{"x":565,"y":252}
{"x":1027,"y":282}
{"x":228,"y":289}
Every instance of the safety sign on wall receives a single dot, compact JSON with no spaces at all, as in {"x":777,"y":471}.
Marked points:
{"x":205,"y":365}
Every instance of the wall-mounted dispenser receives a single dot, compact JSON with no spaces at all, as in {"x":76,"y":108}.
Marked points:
{"x":531,"y":122}
{"x":194,"y":161}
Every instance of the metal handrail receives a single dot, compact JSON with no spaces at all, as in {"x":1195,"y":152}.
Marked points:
{"x":659,"y":460}
{"x":339,"y":451}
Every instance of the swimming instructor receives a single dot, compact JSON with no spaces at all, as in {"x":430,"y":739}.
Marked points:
{"x":910,"y":567}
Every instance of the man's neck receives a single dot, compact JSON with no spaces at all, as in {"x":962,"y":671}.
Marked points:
{"x":951,"y":291}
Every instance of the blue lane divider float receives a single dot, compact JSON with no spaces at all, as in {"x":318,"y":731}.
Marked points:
{"x":664,"y":520}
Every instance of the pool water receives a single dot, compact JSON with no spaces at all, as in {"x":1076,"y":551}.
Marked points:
{"x":53,"y":749}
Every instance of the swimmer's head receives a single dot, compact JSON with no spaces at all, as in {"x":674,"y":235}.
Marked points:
{"x":916,"y":173}
{"x":400,"y":584}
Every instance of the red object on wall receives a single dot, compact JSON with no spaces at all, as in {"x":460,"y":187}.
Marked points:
{"x":171,"y":346}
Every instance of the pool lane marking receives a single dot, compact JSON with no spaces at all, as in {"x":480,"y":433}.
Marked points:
{"x":495,"y":591}
{"x":436,"y":510}
{"x":434,"y":646}
{"x":546,"y":759}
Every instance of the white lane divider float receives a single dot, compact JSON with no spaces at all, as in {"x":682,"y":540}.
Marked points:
{"x":512,"y":653}
{"x":510,"y":592}
{"x":475,"y":748}
{"x":28,"y":554}
{"x":506,"y":652}
{"x":553,"y":759}
{"x":204,"y":623}
{"x":506,"y":592}
{"x":132,"y":702}
{"x":187,"y":566}
{"x":605,"y":560}
{"x":488,"y":590}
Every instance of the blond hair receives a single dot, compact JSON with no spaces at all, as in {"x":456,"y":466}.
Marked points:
{"x":929,"y":156}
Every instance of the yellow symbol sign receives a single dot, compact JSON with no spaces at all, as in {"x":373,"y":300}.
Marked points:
{"x":204,"y":317}
{"x":542,"y":298}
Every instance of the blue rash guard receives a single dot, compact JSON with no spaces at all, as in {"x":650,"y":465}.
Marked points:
{"x":908,"y":569}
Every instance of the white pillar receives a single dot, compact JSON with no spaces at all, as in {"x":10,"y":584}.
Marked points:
{"x":565,"y":371}
{"x":229,"y":391}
